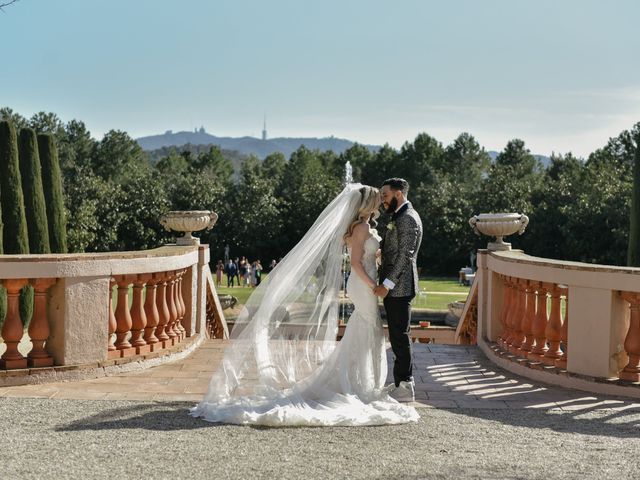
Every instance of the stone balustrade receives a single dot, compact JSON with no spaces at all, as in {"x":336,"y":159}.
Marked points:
{"x":532,"y":322}
{"x":93,"y":307}
{"x":523,"y":317}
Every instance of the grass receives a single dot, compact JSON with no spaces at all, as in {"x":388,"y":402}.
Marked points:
{"x":431,"y":301}
{"x":241,"y":293}
{"x":434,"y":301}
{"x":442,"y":284}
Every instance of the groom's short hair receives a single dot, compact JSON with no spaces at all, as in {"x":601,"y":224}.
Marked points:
{"x":397,"y":184}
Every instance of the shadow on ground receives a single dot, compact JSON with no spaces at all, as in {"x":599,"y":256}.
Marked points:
{"x":501,"y":396}
{"x":155,"y":416}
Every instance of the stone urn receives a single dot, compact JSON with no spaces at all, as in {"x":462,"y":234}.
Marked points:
{"x":499,"y":225}
{"x":456,"y":308}
{"x":187,"y":222}
{"x":227,"y":301}
{"x":452,"y":317}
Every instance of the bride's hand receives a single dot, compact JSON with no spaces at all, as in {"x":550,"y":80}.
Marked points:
{"x":378,"y":253}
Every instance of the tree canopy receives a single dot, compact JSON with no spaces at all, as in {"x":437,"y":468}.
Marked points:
{"x":114,"y":193}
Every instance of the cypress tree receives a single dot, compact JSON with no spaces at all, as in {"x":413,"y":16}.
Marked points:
{"x":3,"y":292}
{"x":54,"y":199}
{"x":14,"y":235}
{"x":633,"y":253}
{"x":35,"y":210}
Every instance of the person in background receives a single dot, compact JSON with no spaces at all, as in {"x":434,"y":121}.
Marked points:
{"x":248,"y":275}
{"x":232,"y":271}
{"x":272,"y":265}
{"x":242,"y":269}
{"x":237,"y":263}
{"x":219,"y":271}
{"x":257,"y":272}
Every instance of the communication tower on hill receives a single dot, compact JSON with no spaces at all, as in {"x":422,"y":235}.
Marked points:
{"x":264,"y":128}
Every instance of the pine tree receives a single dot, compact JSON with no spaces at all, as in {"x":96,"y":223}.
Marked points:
{"x":35,"y":209}
{"x":15,"y":237}
{"x":633,"y":254}
{"x":54,"y":199}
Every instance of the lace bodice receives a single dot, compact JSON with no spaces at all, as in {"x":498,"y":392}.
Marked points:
{"x":371,"y":246}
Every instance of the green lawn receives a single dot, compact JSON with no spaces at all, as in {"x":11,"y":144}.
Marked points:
{"x":241,"y":293}
{"x":434,"y":301}
{"x":431,"y":301}
{"x":440,"y":284}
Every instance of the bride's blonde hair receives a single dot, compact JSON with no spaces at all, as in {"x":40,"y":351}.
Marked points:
{"x":367,"y":210}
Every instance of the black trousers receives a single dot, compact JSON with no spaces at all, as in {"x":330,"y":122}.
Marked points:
{"x":398,"y":319}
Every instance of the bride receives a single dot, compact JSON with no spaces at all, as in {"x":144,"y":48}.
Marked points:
{"x":283,"y":366}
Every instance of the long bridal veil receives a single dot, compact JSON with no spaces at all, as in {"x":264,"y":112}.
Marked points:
{"x":290,"y":322}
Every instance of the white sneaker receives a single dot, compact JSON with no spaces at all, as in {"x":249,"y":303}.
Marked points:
{"x":389,"y":388}
{"x":404,"y":392}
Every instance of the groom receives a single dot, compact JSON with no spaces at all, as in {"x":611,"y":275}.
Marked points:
{"x":399,"y":275}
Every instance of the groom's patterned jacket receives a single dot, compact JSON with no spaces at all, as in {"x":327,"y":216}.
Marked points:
{"x":400,"y":245}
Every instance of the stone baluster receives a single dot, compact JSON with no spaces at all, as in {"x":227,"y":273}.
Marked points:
{"x":173,"y":312}
{"x":112,"y":321}
{"x":138,"y":315}
{"x":123,"y":316}
{"x":512,"y":313}
{"x":554,"y":327}
{"x":518,"y":334}
{"x":12,"y":329}
{"x":539,"y":326}
{"x":151,"y":312}
{"x":163,"y":308}
{"x":564,"y":333}
{"x":176,"y":300}
{"x":505,"y":309}
{"x":183,"y":306}
{"x":528,"y":320}
{"x":39,"y":326}
{"x":631,"y":372}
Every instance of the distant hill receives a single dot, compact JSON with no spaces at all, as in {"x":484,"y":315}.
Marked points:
{"x":246,"y":145}
{"x":241,"y":147}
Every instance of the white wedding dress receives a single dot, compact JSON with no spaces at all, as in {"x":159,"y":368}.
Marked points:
{"x":345,"y":390}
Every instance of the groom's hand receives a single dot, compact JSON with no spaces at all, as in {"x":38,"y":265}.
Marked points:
{"x":381,"y":291}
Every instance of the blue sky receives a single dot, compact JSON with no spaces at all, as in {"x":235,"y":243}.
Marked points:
{"x":563,"y":75}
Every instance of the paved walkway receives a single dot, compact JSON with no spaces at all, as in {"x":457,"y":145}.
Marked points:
{"x":476,"y":422}
{"x":446,"y":377}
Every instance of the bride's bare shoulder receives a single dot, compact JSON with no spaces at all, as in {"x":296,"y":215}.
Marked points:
{"x":360,"y":233}
{"x":361,"y":229}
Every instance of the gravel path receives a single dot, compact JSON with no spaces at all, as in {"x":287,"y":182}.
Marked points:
{"x":60,"y":439}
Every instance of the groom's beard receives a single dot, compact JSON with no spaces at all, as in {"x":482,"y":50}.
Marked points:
{"x":393,"y":205}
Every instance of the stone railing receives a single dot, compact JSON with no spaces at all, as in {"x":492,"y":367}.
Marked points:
{"x":523,"y":318}
{"x":161,"y":299}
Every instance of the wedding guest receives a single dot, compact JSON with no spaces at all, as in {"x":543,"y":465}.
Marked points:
{"x":232,"y":271}
{"x":219,"y":271}
{"x":242,"y":268}
{"x":237,"y":263}
{"x":257,"y":272}
{"x":247,"y":275}
{"x":272,"y":265}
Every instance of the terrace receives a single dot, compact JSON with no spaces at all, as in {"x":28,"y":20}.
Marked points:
{"x":122,"y":344}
